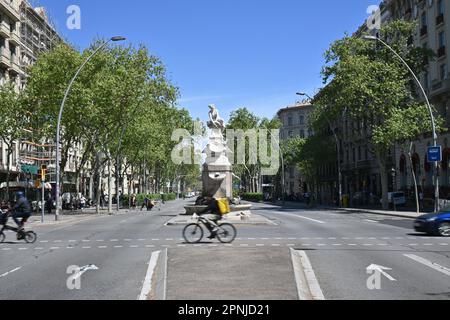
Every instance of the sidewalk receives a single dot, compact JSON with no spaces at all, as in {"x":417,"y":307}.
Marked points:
{"x":71,"y":216}
{"x":402,"y":214}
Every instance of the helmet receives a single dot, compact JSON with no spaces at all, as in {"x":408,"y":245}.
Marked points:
{"x":20,"y":194}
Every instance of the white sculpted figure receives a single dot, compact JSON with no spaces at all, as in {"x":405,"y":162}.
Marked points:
{"x":216,"y":122}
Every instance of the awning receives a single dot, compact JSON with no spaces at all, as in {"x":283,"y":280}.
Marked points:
{"x":25,"y":185}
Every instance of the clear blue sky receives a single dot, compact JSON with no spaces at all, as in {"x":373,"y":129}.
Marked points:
{"x":233,"y":53}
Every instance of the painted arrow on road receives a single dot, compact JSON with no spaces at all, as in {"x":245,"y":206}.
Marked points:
{"x":382,"y":270}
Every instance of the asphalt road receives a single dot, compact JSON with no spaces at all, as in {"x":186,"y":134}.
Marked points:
{"x":137,"y":256}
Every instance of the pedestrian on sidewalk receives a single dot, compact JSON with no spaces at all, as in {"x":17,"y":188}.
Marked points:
{"x":82,"y":203}
{"x":49,"y":205}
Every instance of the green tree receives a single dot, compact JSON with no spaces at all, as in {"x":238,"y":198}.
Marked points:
{"x":15,"y":120}
{"x":373,"y":87}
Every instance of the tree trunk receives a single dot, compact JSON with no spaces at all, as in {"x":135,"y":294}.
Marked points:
{"x":109,"y":187}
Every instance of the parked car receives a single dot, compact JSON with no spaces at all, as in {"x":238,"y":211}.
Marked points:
{"x":434,"y":224}
{"x":397,"y":198}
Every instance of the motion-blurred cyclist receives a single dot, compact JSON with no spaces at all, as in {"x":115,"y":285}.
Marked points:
{"x":22,"y":209}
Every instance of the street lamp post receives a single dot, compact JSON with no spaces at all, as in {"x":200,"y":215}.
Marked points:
{"x":430,"y":109}
{"x":394,"y":176}
{"x":58,"y":128}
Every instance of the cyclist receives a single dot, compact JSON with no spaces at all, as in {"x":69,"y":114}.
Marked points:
{"x":22,"y":209}
{"x":212,"y":215}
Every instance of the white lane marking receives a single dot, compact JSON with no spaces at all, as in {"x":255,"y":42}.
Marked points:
{"x":9,"y":272}
{"x":102,"y":247}
{"x":72,"y":240}
{"x":147,"y":287}
{"x":23,"y":248}
{"x":308,"y":287}
{"x":371,"y":221}
{"x":114,"y":240}
{"x":44,"y":241}
{"x":86,"y":247}
{"x":300,"y":217}
{"x":134,"y":246}
{"x":428,"y":263}
{"x":155,"y":239}
{"x":54,"y":248}
{"x":141,"y":239}
{"x":118,"y":246}
{"x":6,"y":249}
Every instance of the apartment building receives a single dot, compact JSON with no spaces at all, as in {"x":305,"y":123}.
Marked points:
{"x":25,"y":32}
{"x":433,"y":32}
{"x":295,"y":120}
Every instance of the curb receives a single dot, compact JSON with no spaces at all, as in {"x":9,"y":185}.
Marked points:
{"x":381,"y":213}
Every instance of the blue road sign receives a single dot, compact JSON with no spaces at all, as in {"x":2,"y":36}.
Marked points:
{"x":435,"y":154}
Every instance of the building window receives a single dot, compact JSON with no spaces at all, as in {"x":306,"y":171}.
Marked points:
{"x":290,"y":121}
{"x":424,"y":20}
{"x":441,"y":7}
{"x":442,"y":44}
{"x":291,"y":134}
{"x":426,"y":80}
{"x":444,"y":72}
{"x":302,"y":119}
{"x":302,"y":134}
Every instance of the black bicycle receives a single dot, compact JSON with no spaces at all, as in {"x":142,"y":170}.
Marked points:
{"x":193,"y":233}
{"x":27,"y":236}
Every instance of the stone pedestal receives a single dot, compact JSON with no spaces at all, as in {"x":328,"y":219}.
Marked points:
{"x":217,"y":181}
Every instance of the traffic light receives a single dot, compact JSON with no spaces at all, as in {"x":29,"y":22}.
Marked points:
{"x":43,"y":173}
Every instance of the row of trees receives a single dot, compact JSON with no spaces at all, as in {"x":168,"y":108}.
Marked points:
{"x":121,"y":111}
{"x":365,"y":83}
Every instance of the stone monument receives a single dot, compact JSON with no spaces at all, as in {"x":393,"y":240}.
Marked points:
{"x":217,"y":174}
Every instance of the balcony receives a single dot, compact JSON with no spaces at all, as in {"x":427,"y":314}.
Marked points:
{"x":441,"y":52}
{"x":14,"y":38}
{"x":15,"y":65}
{"x":4,"y":30}
{"x":11,"y":9}
{"x":440,"y":19}
{"x":5,"y":59}
{"x":423,"y":31}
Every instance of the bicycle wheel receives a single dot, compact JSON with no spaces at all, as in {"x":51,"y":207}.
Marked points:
{"x":2,"y":237}
{"x":193,"y":233}
{"x":30,"y":237}
{"x":227,"y":233}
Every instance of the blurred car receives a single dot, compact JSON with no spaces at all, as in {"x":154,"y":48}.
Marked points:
{"x":434,"y":224}
{"x":397,"y":198}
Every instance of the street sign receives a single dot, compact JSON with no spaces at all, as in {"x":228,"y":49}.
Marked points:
{"x":435,"y":154}
{"x":29,"y":169}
